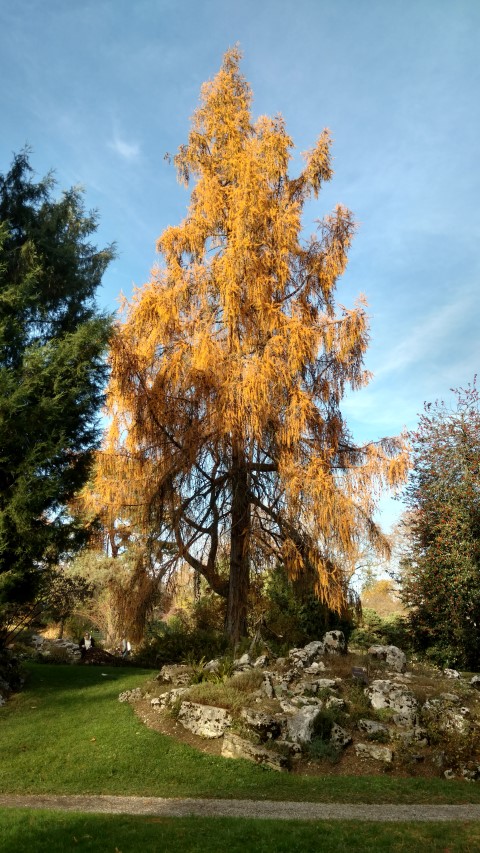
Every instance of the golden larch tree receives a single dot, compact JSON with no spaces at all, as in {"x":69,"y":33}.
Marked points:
{"x":229,"y":366}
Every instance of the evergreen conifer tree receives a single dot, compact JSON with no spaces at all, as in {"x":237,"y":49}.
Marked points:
{"x":52,"y":372}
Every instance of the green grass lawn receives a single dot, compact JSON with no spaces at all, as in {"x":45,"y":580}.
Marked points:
{"x":67,"y":733}
{"x":57,"y":832}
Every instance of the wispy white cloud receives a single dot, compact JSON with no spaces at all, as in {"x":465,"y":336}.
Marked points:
{"x":129,"y":151}
{"x":429,"y":336}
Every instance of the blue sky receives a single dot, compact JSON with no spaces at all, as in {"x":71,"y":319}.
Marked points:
{"x":102,"y":89}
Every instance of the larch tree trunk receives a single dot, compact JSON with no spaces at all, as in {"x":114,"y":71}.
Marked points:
{"x":239,"y":579}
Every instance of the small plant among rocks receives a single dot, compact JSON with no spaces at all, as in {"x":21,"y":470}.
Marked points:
{"x":322,"y":750}
{"x":378,"y":737}
{"x":217,"y":694}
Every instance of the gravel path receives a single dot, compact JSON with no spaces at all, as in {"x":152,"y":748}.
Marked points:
{"x":243,"y":808}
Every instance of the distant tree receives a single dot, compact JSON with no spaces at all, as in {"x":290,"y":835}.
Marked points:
{"x":123,"y":595}
{"x":60,"y":594}
{"x":381,"y":595}
{"x":440,"y":574}
{"x":52,"y":374}
{"x":228,"y":372}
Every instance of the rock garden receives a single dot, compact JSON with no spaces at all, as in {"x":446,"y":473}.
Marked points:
{"x":322,"y":709}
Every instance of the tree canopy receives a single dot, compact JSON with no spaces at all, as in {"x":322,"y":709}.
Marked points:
{"x":441,"y":572}
{"x":52,"y":371}
{"x":230,"y":364}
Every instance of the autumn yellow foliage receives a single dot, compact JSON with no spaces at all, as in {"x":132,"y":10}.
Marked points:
{"x":229,"y":366}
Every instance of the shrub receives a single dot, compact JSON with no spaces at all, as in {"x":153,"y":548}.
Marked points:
{"x":457,"y":747}
{"x":56,"y":654}
{"x":440,"y":571}
{"x":373,"y":629}
{"x":322,"y":750}
{"x":292,"y":615}
{"x":208,"y":613}
{"x":358,"y":704}
{"x":10,"y":670}
{"x":174,"y":642}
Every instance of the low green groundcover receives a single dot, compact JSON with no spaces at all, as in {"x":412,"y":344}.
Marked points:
{"x":56,"y":832}
{"x":66,"y":733}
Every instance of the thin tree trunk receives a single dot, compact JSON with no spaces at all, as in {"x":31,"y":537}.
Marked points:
{"x":239,"y":581}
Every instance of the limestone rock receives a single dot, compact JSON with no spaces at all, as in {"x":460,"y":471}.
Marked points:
{"x":289,"y":676}
{"x":301,"y":658}
{"x":265,"y":725}
{"x":312,"y":686}
{"x":300,"y":701}
{"x":167,"y":699}
{"x":178,"y":674}
{"x":372,"y":750}
{"x":300,"y":725}
{"x":470,"y":771}
{"x":243,"y":663}
{"x":267,"y":685}
{"x":451,"y":673}
{"x":56,"y":649}
{"x":292,"y":748}
{"x":339,"y":737}
{"x":130,"y":695}
{"x":446,"y":718}
{"x":236,"y":747}
{"x":387,"y":694}
{"x":204,"y":720}
{"x":261,"y":662}
{"x":314,"y":650}
{"x":470,"y":775}
{"x":302,"y":688}
{"x":335,"y":702}
{"x":450,"y":698}
{"x":335,"y":643}
{"x":371,"y":727}
{"x":392,"y":655}
{"x":475,"y":682}
{"x":288,"y":706}
{"x":328,"y":683}
{"x":417,"y":736}
{"x":315,"y":667}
